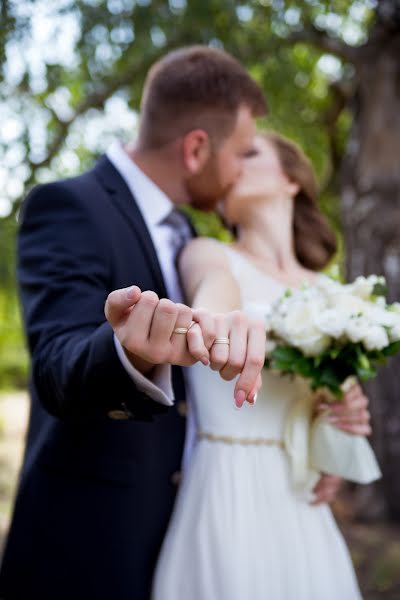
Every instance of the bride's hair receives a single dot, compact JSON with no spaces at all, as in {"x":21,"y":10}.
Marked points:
{"x":315,"y":241}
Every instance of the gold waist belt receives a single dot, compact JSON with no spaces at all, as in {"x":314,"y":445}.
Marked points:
{"x":227,"y":439}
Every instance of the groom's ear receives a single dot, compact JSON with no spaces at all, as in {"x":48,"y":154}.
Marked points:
{"x":196,"y":149}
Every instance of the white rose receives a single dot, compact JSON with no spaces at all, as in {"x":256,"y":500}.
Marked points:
{"x":314,"y":345}
{"x":394,"y":333}
{"x":385,"y":318}
{"x":327,"y":285}
{"x":331,"y":322}
{"x":300,"y":330}
{"x":376,"y":338}
{"x":356,"y":329}
{"x":348,"y":305}
{"x":362,"y":287}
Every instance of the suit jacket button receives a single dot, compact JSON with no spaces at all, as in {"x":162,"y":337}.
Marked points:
{"x":176,"y":477}
{"x":118,"y":415}
{"x":182,"y":408}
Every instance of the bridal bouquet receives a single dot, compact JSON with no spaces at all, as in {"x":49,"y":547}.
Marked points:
{"x":329,"y":333}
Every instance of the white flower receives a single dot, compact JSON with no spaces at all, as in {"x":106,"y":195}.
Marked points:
{"x":364,"y":286}
{"x":298,"y":328}
{"x":331,"y":322}
{"x":376,"y":338}
{"x":357,"y":329}
{"x":381,"y":301}
{"x":386,"y":318}
{"x":327,"y":285}
{"x":394,"y":333}
{"x":311,"y":317}
{"x":348,"y":305}
{"x":314,"y":345}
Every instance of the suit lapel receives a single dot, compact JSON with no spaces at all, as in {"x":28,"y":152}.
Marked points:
{"x":124,"y":201}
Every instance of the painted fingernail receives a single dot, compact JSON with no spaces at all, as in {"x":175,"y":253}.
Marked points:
{"x":253,"y":400}
{"x":240,"y":397}
{"x":205,"y":361}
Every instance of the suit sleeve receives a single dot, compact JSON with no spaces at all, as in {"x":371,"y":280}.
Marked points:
{"x":65,"y":275}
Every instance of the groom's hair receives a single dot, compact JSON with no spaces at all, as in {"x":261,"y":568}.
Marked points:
{"x":196,"y":87}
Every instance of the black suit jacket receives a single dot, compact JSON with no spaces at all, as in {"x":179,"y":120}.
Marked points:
{"x":95,"y":493}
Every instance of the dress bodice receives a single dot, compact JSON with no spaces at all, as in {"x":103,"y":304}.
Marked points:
{"x":213,"y":397}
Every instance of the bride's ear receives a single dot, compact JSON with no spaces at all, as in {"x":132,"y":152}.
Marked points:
{"x":293,"y":188}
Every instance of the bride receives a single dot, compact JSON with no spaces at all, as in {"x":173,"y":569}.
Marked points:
{"x":239,"y":529}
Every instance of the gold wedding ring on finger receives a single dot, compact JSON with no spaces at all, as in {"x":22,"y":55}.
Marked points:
{"x":183,"y":330}
{"x":222,"y":340}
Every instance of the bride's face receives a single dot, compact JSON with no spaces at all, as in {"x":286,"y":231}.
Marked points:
{"x":262,"y":180}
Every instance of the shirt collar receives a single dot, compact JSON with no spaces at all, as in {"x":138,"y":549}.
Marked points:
{"x":153,"y":203}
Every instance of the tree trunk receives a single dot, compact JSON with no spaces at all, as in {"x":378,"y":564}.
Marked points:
{"x":370,"y":190}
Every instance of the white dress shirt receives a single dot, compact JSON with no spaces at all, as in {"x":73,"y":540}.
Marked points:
{"x":155,"y":206}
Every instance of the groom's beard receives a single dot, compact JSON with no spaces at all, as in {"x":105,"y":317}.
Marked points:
{"x":205,"y":189}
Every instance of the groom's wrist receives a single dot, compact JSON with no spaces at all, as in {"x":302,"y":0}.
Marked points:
{"x":141,"y":365}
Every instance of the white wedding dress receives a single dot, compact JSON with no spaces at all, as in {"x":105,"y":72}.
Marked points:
{"x":239,"y":531}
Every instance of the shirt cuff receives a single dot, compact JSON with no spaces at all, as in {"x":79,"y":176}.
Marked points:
{"x":158,"y":388}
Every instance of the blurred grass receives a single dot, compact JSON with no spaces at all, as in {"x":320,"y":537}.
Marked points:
{"x":13,"y":353}
{"x":375,"y":548}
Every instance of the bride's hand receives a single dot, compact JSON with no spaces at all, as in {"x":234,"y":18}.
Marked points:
{"x":351,"y":414}
{"x":238,"y":348}
{"x":326,"y":489}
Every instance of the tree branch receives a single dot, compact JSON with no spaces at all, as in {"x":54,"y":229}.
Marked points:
{"x":320,"y":39}
{"x":97,"y":99}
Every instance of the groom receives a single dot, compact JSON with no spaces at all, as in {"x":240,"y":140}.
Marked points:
{"x":106,"y":431}
{"x":107,"y":424}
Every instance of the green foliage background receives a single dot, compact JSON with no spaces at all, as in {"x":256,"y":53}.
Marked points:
{"x":64,"y":64}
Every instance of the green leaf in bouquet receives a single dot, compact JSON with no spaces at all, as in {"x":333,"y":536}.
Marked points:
{"x":379,"y":359}
{"x":363,"y":360}
{"x":284,"y":357}
{"x":330,"y":379}
{"x":392,"y":349}
{"x":334,"y":352}
{"x":365,"y":374}
{"x":305,"y":366}
{"x":380,"y":289}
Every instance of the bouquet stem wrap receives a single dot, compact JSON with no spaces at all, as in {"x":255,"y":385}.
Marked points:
{"x":315,"y":446}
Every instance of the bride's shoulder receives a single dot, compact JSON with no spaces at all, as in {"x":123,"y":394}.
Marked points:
{"x":204,"y":250}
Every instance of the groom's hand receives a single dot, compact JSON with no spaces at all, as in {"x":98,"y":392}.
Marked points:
{"x":238,"y":349}
{"x":327,"y":489}
{"x":145,"y":326}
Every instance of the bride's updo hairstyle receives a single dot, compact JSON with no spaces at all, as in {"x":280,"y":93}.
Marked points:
{"x":315,"y":241}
